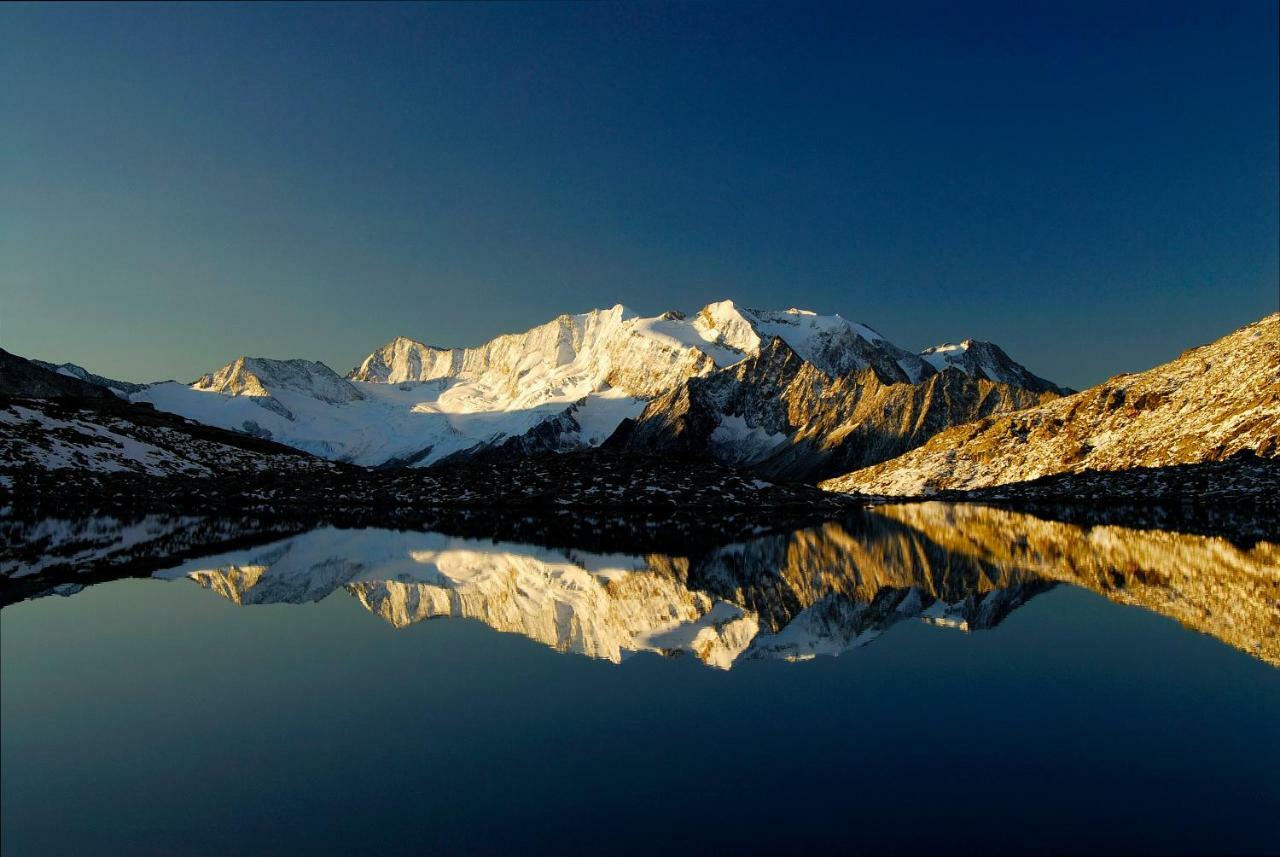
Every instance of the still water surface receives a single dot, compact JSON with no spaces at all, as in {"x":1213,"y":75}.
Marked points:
{"x":1003,"y":683}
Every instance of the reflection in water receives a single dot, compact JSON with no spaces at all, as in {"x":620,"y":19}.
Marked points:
{"x":1208,"y":584}
{"x":819,"y":590}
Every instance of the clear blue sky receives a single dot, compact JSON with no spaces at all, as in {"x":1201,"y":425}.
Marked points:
{"x":1095,"y":187}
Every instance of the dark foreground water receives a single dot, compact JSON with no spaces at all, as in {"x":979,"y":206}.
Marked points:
{"x":1003,"y":684}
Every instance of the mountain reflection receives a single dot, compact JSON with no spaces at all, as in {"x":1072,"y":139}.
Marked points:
{"x":818,"y":590}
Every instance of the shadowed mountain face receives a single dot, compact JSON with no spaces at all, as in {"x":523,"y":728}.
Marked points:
{"x":791,"y":595}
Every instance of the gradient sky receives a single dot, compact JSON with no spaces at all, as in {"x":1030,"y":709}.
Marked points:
{"x":1094,"y":187}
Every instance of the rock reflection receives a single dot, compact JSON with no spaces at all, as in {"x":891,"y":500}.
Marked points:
{"x":1209,"y":584}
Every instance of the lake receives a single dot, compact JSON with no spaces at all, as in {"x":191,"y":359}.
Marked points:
{"x":921,"y":678}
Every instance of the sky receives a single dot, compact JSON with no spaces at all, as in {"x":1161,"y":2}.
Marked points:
{"x":1092,"y":186}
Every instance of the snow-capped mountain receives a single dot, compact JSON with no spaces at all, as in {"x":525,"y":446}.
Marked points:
{"x":832,"y":344}
{"x":988,"y":360}
{"x":563,"y":385}
{"x":644,"y":356}
{"x":257,"y":376}
{"x":1207,"y":405}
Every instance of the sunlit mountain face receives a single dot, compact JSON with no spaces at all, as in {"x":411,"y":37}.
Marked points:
{"x":793,"y":594}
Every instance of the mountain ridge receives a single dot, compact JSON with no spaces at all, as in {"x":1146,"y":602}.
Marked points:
{"x":566,"y":384}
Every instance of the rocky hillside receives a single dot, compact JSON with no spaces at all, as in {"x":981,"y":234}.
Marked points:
{"x":1208,"y":405}
{"x":54,"y":423}
{"x":785,"y":417}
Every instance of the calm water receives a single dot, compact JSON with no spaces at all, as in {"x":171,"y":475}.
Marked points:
{"x":1002,"y":684}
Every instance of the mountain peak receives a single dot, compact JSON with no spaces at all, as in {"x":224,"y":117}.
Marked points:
{"x":987,"y":360}
{"x":264,"y":377}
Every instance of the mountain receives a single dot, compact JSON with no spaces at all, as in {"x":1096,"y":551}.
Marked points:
{"x":563,"y":385}
{"x":255,"y":376}
{"x":988,"y":361}
{"x":29,"y":379}
{"x":787,"y":418}
{"x":1212,"y":403}
{"x":71,"y":370}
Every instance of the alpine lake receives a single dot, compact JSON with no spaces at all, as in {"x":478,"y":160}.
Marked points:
{"x":916,"y":678}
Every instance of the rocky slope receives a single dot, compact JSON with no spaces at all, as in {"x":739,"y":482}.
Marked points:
{"x":40,"y":438}
{"x":786,"y":418}
{"x":1206,"y":406}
